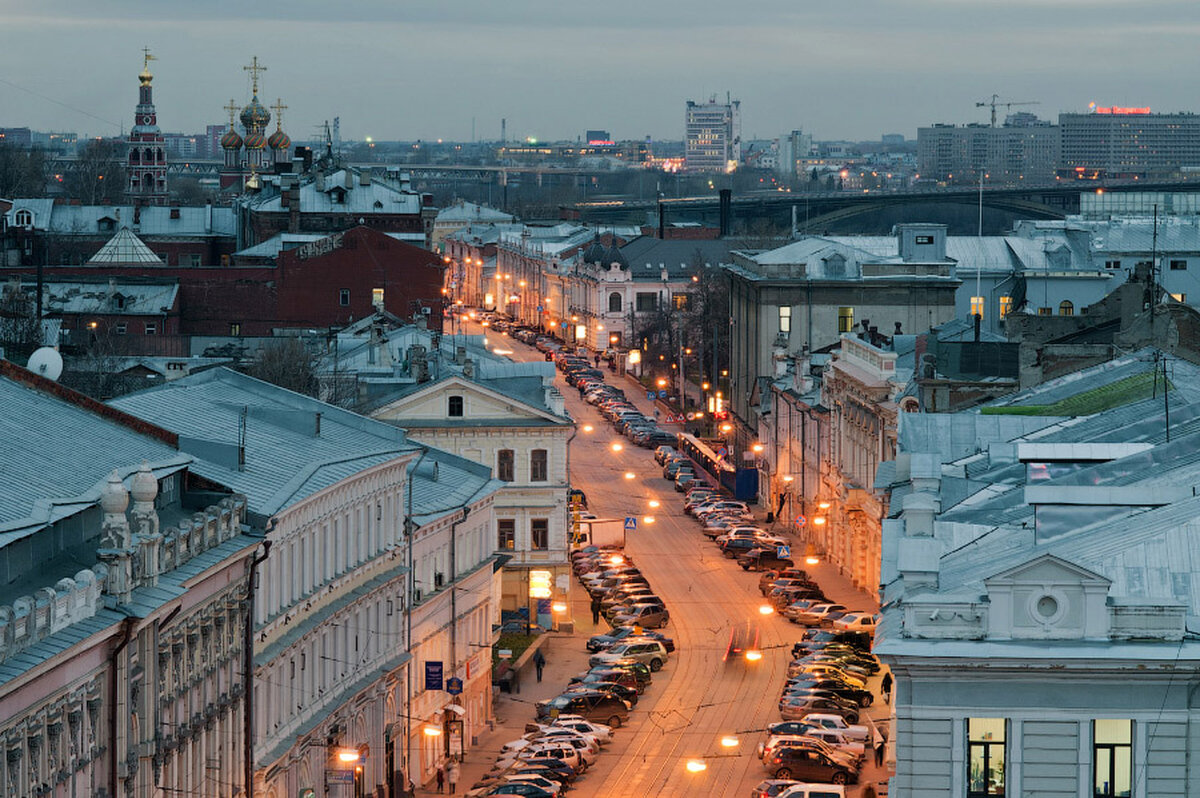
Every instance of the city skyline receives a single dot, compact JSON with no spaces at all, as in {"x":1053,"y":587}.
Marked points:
{"x":554,"y":72}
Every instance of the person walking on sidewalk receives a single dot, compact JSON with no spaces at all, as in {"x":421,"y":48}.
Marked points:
{"x":441,"y":778}
{"x":452,"y":777}
{"x":596,"y":607}
{"x":539,"y":662}
{"x":886,"y":687}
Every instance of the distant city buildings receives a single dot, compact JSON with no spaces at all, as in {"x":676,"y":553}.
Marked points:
{"x":712,"y":136}
{"x":1129,"y":142}
{"x":1023,"y":149}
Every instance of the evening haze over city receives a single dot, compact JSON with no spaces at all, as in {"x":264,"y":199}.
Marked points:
{"x":521,"y":400}
{"x":403,"y":70}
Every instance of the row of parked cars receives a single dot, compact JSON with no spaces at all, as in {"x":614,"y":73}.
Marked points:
{"x":612,"y":403}
{"x":571,"y":728}
{"x":819,"y":738}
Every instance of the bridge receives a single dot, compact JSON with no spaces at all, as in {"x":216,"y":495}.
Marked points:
{"x":815,"y":211}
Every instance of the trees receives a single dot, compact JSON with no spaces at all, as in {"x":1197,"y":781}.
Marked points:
{"x":22,"y":172}
{"x":287,"y":363}
{"x":99,"y":175}
{"x":20,"y":332}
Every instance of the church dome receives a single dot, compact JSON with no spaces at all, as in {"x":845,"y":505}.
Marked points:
{"x":255,"y":141}
{"x":231,"y":140}
{"x":613,"y":255}
{"x":279,"y":140}
{"x":255,"y":116}
{"x":595,"y":253}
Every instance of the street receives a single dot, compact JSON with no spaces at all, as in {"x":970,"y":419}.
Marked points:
{"x":697,"y":699}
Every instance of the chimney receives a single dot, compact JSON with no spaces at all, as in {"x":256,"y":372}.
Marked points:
{"x":662,"y":220}
{"x":460,"y":355}
{"x":364,"y":178}
{"x":348,"y":179}
{"x":726,"y":210}
{"x":468,"y":368}
{"x":320,"y":181}
{"x":977,"y":319}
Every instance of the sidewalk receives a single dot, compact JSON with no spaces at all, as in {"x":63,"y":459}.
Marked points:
{"x":566,"y":656}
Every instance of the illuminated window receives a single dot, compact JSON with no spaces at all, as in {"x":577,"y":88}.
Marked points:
{"x":985,"y":757}
{"x":1044,"y":312}
{"x":680,"y":301}
{"x":1005,"y":306}
{"x":845,"y":319}
{"x":977,"y":306}
{"x":1066,"y":308}
{"x":785,"y":319}
{"x":506,"y":534}
{"x":1112,"y":758}
{"x":539,"y":533}
{"x":1180,"y":297}
{"x":377,"y":297}
{"x":235,"y":328}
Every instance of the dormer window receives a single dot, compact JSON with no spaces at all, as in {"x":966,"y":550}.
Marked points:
{"x":23,"y":218}
{"x":454,"y":407}
{"x":118,"y":301}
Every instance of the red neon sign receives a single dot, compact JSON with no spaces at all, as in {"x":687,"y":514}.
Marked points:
{"x":1121,"y":111}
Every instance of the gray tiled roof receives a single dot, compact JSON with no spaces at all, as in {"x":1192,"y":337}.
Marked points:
{"x":192,"y":221}
{"x":56,"y":455}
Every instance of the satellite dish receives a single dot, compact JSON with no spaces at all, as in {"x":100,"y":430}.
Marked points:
{"x":46,"y":362}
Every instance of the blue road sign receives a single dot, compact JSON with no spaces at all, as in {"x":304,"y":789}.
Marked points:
{"x":630,"y":523}
{"x":722,"y":452}
{"x":454,"y":685}
{"x":662,"y":394}
{"x":539,"y":308}
{"x":801,"y":520}
{"x":650,"y":395}
{"x":433,"y":675}
{"x":784,"y":551}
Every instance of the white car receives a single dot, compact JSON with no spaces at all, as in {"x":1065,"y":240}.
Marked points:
{"x":598,"y":731}
{"x":839,"y":740}
{"x":804,"y":790}
{"x":588,"y":748}
{"x":827,"y":721}
{"x":567,"y":753}
{"x":856,"y":622}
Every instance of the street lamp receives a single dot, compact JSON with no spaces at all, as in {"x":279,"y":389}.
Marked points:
{"x":696,"y":766}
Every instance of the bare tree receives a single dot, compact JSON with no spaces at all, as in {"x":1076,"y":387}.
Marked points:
{"x":289,"y":364}
{"x":99,"y":175}
{"x":20,"y":332}
{"x":22,"y":172}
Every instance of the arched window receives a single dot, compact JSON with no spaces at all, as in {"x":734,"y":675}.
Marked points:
{"x":1066,"y":308}
{"x":133,"y":156}
{"x":148,"y":155}
{"x":23,"y":218}
{"x":614,"y":302}
{"x":148,"y":181}
{"x":160,"y":154}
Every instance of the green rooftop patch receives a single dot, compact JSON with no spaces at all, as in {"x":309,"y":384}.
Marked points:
{"x":1106,"y":397}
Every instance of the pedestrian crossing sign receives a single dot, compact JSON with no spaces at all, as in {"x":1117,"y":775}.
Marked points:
{"x":630,"y":523}
{"x":783,"y":552}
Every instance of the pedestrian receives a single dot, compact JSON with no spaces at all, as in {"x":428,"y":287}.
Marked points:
{"x":596,"y":607}
{"x":452,"y":777}
{"x":441,"y":778}
{"x":539,"y":662}
{"x":886,"y":686}
{"x":597,"y":360}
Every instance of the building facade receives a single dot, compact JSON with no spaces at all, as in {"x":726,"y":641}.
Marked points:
{"x":1129,"y":143}
{"x":1008,"y":154}
{"x":147,"y":159}
{"x":712,"y":136}
{"x":124,"y":677}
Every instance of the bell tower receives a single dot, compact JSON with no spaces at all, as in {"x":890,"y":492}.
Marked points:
{"x":147,"y":162}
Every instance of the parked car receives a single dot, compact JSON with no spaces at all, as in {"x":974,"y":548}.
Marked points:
{"x":604,"y":675}
{"x":624,"y":692}
{"x":856,"y":622}
{"x":808,"y":765}
{"x":595,"y":705}
{"x":600,"y":642}
{"x":828,"y":721}
{"x":762,"y":559}
{"x":649,"y":616}
{"x":651,"y":652}
{"x":820,"y":613}
{"x":770,"y":788}
{"x":811,"y":790}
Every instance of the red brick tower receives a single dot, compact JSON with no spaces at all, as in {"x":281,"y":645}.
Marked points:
{"x":147,"y":164}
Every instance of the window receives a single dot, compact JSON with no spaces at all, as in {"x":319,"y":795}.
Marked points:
{"x":1112,"y":264}
{"x":121,"y":328}
{"x":1178,"y":265}
{"x":1180,"y":297}
{"x":224,"y":260}
{"x":1005,"y":306}
{"x":923,"y":240}
{"x":985,"y":757}
{"x":504,"y":465}
{"x":344,"y":297}
{"x":454,"y":407}
{"x":680,"y":301}
{"x":537,"y":465}
{"x":506,"y":534}
{"x":196,"y":260}
{"x":235,"y":328}
{"x":377,"y":297}
{"x":845,"y":319}
{"x":646,"y":302}
{"x":151,"y":328}
{"x":785,"y":320}
{"x":539,"y":533}
{"x":1044,"y":312}
{"x":614,"y":302}
{"x":1066,"y":308}
{"x":23,"y":218}
{"x":1112,"y":758}
{"x":977,"y":306}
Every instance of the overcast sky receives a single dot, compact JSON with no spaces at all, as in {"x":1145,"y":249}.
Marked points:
{"x":407,"y":69}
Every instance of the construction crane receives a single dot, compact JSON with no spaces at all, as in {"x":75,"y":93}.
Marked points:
{"x":995,"y":102}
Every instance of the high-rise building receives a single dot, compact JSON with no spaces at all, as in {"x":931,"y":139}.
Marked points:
{"x":147,"y":164}
{"x":1129,"y":142}
{"x":793,"y":147}
{"x":713,"y":136}
{"x":1017,"y":152}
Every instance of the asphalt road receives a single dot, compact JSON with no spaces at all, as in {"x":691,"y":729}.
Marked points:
{"x":697,"y":698}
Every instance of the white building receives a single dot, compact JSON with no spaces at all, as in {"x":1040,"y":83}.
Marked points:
{"x":1040,"y":592}
{"x":380,"y":564}
{"x":712,"y":136}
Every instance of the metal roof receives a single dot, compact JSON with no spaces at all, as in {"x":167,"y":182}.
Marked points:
{"x":125,"y":247}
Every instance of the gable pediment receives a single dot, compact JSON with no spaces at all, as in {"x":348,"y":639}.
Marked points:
{"x":1047,"y":570}
{"x":1047,"y":598}
{"x":431,"y":403}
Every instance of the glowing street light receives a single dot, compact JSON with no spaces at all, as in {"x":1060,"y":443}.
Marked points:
{"x":758,"y":448}
{"x":432,"y":731}
{"x":347,"y":755}
{"x":765,"y":609}
{"x":753,"y":656}
{"x":616,"y":447}
{"x":696,"y":766}
{"x":649,"y":519}
{"x":729,"y":741}
{"x":630,"y":475}
{"x":654,"y":502}
{"x":588,"y":428}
